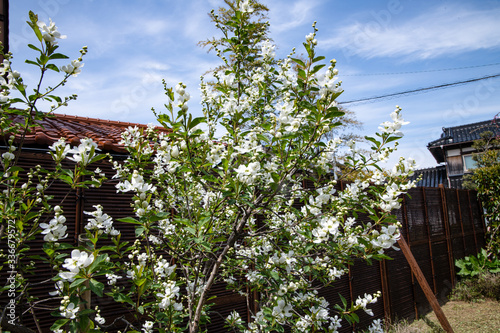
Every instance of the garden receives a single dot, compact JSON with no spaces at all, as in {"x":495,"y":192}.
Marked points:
{"x":254,"y":207}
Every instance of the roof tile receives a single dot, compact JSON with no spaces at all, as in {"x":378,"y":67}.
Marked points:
{"x":465,"y":133}
{"x":106,"y":133}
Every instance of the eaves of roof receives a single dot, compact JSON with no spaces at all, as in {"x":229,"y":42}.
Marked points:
{"x":460,"y":135}
{"x":466,"y":133}
{"x":106,"y":133}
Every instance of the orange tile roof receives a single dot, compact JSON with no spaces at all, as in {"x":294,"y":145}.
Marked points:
{"x":106,"y":133}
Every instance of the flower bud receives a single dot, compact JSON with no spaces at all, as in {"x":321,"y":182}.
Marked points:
{"x":174,"y":152}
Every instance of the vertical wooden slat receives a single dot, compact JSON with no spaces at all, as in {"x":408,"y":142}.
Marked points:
{"x":461,"y":220}
{"x":406,"y":224}
{"x":80,"y":192}
{"x":386,"y":296}
{"x":350,"y":288}
{"x":472,"y":222}
{"x":446,"y":221}
{"x":429,"y":241}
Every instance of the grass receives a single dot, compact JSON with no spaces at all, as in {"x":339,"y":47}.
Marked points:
{"x":464,"y":317}
{"x":485,"y":286}
{"x":474,"y":306}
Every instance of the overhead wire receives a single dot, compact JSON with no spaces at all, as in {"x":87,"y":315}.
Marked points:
{"x":425,"y":71}
{"x":416,"y":91}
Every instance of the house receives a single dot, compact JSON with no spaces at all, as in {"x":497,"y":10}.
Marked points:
{"x":454,"y":151}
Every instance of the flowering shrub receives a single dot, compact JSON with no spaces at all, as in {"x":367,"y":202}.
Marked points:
{"x":256,"y":207}
{"x":485,"y":179}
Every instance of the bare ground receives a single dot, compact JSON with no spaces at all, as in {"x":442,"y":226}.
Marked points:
{"x":464,"y":317}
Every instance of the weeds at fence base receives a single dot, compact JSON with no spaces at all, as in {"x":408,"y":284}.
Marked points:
{"x":484,"y":286}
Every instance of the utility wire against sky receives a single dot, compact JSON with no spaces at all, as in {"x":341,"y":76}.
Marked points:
{"x":426,"y":71}
{"x":416,"y":91}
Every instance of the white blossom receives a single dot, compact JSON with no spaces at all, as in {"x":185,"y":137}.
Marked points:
{"x":55,"y":229}
{"x":8,"y":156}
{"x":84,"y":152}
{"x":49,"y":32}
{"x":101,"y":222}
{"x":393,"y":127}
{"x":70,"y":311}
{"x":147,"y":327}
{"x":248,"y":173}
{"x":267,"y":49}
{"x":112,"y":278}
{"x":79,"y":259}
{"x":245,"y":6}
{"x":73,"y":68}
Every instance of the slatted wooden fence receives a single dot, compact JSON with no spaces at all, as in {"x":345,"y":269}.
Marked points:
{"x":440,"y":225}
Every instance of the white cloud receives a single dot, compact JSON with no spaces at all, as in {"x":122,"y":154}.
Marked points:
{"x":441,"y":31}
{"x":288,"y":15}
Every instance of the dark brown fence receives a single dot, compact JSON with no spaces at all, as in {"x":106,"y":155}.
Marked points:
{"x":440,"y":225}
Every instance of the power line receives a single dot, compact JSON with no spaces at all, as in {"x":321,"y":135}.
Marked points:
{"x":420,"y":90}
{"x":427,"y":71}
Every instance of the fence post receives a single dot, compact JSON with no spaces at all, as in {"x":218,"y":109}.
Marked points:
{"x":446,"y":222}
{"x":417,"y":272}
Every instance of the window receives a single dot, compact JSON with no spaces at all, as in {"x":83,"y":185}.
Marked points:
{"x":469,"y":163}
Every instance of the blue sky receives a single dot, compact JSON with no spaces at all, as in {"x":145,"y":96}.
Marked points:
{"x":134,"y":44}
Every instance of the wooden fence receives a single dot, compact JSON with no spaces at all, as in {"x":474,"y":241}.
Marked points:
{"x":440,"y":225}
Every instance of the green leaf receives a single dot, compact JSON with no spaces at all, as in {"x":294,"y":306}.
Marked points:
{"x":301,"y":74}
{"x":262,"y":138}
{"x":308,"y":49}
{"x":298,"y":62}
{"x":43,"y":59}
{"x":160,"y":216}
{"x":96,"y":286}
{"x":344,"y":302}
{"x":77,"y":282}
{"x":55,"y":98}
{"x":68,"y":180}
{"x":377,"y":143}
{"x":275,"y":275}
{"x":32,"y":63}
{"x":393,"y":138}
{"x":31,"y":46}
{"x":96,"y":262}
{"x":34,"y":26}
{"x":129,"y":220}
{"x":98,"y":158}
{"x":53,"y":67}
{"x":318,"y":59}
{"x":58,"y":56}
{"x":121,"y":298}
{"x":20,"y":225}
{"x":195,"y":121}
{"x":317,"y":68}
{"x":15,"y":169}
{"x":58,"y":324}
{"x":139,"y":230}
